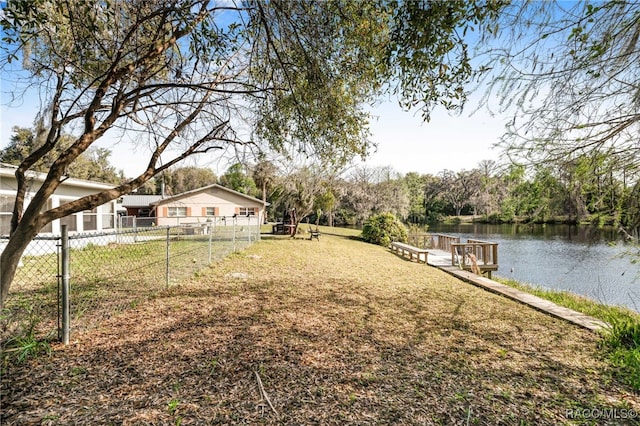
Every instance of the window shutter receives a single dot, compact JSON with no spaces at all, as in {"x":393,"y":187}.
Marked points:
{"x":237,"y":210}
{"x":164,"y":212}
{"x":204,"y":211}
{"x":188,"y":211}
{"x":216,"y":211}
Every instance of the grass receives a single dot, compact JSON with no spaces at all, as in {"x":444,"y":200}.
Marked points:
{"x":621,"y":343}
{"x":339,"y":331}
{"x":100,"y":284}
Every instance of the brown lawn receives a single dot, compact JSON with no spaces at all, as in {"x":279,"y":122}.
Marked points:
{"x":334,"y":332}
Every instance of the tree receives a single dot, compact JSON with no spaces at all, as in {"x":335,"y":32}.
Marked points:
{"x":458,"y":189}
{"x":415,"y":185}
{"x":433,"y":202}
{"x":178,"y":78}
{"x":369,"y":190}
{"x":264,"y":175}
{"x":304,"y":189}
{"x":570,"y":71}
{"x":183,"y":179}
{"x":325,"y":204}
{"x":487,"y":200}
{"x":90,"y":165}
{"x":390,"y":194}
{"x":235,"y":178}
{"x":21,"y":144}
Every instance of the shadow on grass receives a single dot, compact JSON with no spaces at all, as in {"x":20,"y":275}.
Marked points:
{"x":324,"y":354}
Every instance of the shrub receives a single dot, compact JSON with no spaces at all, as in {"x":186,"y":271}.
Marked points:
{"x":382,"y":229}
{"x":417,"y":229}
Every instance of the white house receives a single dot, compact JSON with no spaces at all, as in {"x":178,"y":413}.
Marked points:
{"x":204,"y":204}
{"x":100,"y":218}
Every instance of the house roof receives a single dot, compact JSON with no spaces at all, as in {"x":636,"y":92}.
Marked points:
{"x":205,"y":188}
{"x":9,"y":170}
{"x":139,"y":200}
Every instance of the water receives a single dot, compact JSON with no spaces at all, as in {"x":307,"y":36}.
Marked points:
{"x":583,"y":260}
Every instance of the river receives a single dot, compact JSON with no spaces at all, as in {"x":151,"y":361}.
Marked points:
{"x":584,"y":260}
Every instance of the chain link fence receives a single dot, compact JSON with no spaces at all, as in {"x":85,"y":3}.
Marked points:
{"x":111,"y":272}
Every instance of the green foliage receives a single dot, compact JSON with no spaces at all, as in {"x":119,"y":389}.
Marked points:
{"x":584,"y":120}
{"x":90,"y":165}
{"x":417,"y":229}
{"x":349,"y":54}
{"x":185,"y":179}
{"x":415,"y":185}
{"x":623,"y":343}
{"x":25,"y":347}
{"x":172,"y":406}
{"x":235,"y":178}
{"x":384,"y":228}
{"x":625,"y":333}
{"x":24,"y":343}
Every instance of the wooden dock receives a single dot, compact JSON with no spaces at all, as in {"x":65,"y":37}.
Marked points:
{"x":477,"y":256}
{"x":443,"y":256}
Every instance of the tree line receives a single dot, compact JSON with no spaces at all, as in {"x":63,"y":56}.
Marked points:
{"x":588,"y":190}
{"x":593,"y":189}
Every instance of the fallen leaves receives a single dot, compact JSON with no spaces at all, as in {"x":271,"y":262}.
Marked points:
{"x":329,"y":332}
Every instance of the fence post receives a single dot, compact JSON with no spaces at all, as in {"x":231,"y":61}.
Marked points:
{"x":210,"y":228}
{"x":235,"y":221}
{"x":167,"y":265}
{"x":64,"y":260}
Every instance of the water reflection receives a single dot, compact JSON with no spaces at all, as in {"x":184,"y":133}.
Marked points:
{"x":584,"y":260}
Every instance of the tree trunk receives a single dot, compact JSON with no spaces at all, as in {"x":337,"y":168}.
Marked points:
{"x":11,"y":255}
{"x":264,"y":201}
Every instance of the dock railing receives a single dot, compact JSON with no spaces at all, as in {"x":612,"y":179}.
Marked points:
{"x":444,"y":242}
{"x":432,"y":241}
{"x":482,"y":255}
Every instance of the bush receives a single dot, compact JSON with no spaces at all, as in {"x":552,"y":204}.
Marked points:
{"x":382,"y":229}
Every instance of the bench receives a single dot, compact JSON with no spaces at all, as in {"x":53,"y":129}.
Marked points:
{"x":407,"y":250}
{"x":314,"y":234}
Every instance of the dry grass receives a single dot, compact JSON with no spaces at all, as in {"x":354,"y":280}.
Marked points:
{"x":338,"y":331}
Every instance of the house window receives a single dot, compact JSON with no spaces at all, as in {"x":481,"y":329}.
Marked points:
{"x":6,"y":209}
{"x":247,"y":211}
{"x":210,"y":211}
{"x":107,"y":216}
{"x":69,"y":220}
{"x":90,"y":220}
{"x":177,"y":212}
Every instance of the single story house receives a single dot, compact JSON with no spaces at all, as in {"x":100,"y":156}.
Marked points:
{"x":205,"y":204}
{"x":98,"y":219}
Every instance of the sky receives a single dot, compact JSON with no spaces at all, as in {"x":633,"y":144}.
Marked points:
{"x":453,"y":142}
{"x":404,"y":141}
